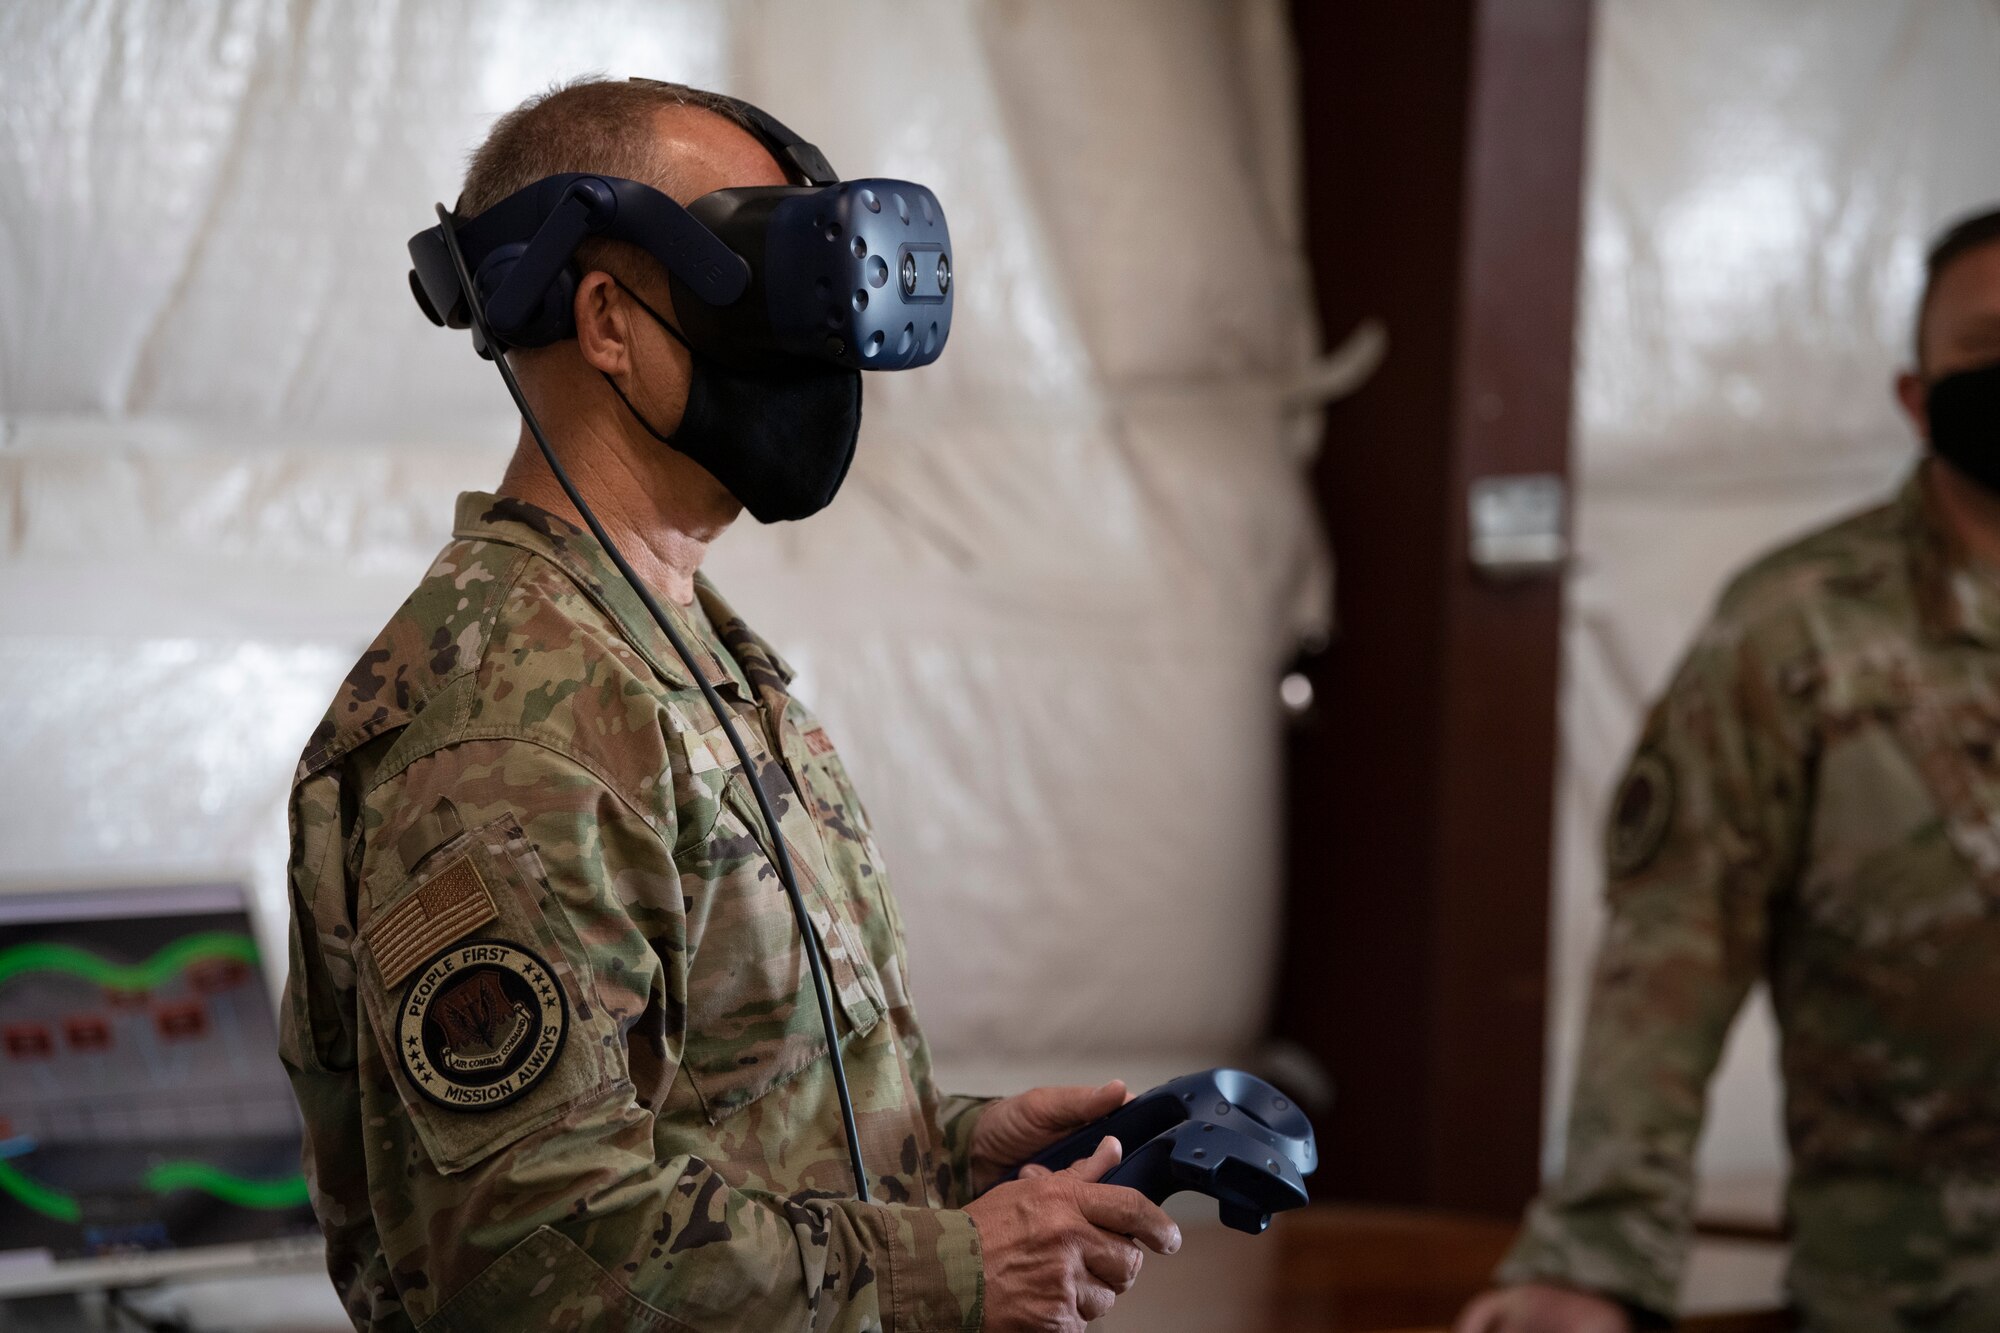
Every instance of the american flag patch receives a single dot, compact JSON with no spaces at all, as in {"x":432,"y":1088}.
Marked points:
{"x":440,"y":910}
{"x":817,"y":741}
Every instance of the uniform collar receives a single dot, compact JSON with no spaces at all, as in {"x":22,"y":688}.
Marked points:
{"x":511,"y":522}
{"x":749,"y":653}
{"x":1958,"y":597}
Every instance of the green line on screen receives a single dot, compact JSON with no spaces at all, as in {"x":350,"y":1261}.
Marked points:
{"x":176,"y":957}
{"x":47,"y":1202}
{"x":285,"y":1192}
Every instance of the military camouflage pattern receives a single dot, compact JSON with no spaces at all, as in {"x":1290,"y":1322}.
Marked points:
{"x":522,"y":726}
{"x":1830,"y":824}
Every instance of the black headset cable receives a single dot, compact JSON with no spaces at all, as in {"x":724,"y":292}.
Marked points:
{"x":778,"y":848}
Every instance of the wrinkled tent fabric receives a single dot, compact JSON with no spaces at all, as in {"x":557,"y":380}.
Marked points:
{"x":1763,"y":177}
{"x":1045,"y":618}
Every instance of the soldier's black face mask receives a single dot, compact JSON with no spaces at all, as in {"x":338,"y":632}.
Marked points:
{"x":1964,"y":411}
{"x":779,"y":435}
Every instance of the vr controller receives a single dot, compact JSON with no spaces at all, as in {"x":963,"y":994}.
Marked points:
{"x":1223,"y":1133}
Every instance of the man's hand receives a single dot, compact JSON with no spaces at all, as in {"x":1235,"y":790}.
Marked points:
{"x":1014,"y":1129}
{"x":1059,"y":1248}
{"x":1542,"y":1307}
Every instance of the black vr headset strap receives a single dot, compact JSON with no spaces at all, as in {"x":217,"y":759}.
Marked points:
{"x":788,"y":147}
{"x":514,"y":302}
{"x":558,"y":212}
{"x":802,"y":158}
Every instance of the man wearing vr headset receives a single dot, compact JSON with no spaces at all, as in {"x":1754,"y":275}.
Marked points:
{"x":550,"y":1017}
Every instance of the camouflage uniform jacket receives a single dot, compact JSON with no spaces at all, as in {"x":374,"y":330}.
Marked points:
{"x":549,"y":1018}
{"x":1815,"y":802}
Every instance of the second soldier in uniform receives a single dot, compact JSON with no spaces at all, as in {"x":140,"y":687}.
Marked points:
{"x":1815,"y":803}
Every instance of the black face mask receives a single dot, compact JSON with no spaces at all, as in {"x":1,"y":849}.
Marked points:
{"x":779,"y":436}
{"x":1964,"y":411}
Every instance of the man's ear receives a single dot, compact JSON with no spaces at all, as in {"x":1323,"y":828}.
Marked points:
{"x":1911,"y":392}
{"x":603,"y":324}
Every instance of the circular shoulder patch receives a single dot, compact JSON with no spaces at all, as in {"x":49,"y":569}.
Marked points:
{"x":480,"y":1024}
{"x":1640,"y":815}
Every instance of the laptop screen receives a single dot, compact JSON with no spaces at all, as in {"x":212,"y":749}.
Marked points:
{"x":143,"y":1110}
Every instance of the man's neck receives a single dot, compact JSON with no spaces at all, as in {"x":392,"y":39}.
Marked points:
{"x":660,"y":520}
{"x":1969,"y":512}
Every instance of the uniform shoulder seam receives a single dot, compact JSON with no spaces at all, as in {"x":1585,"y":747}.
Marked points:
{"x":1811,"y":566}
{"x":489,"y":615}
{"x":331,"y":745}
{"x":466,"y":735}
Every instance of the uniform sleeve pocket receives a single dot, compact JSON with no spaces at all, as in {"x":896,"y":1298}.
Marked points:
{"x":547,"y":1281}
{"x":476,"y":989}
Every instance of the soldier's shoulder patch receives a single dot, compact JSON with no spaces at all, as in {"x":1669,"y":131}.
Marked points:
{"x":480,"y":1024}
{"x":1640,"y":814}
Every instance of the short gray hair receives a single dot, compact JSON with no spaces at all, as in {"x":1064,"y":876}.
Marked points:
{"x":587,"y":124}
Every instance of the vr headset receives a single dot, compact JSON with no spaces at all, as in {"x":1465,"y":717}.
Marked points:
{"x":857,"y":273}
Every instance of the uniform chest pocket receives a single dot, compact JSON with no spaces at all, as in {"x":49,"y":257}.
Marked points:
{"x":479,"y":997}
{"x":1904,"y":836}
{"x":1952,"y":734}
{"x":752,"y":1020}
{"x":855,"y":858}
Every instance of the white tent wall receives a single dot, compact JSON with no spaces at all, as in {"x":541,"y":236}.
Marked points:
{"x":1762,"y":178}
{"x":1045,"y":618}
